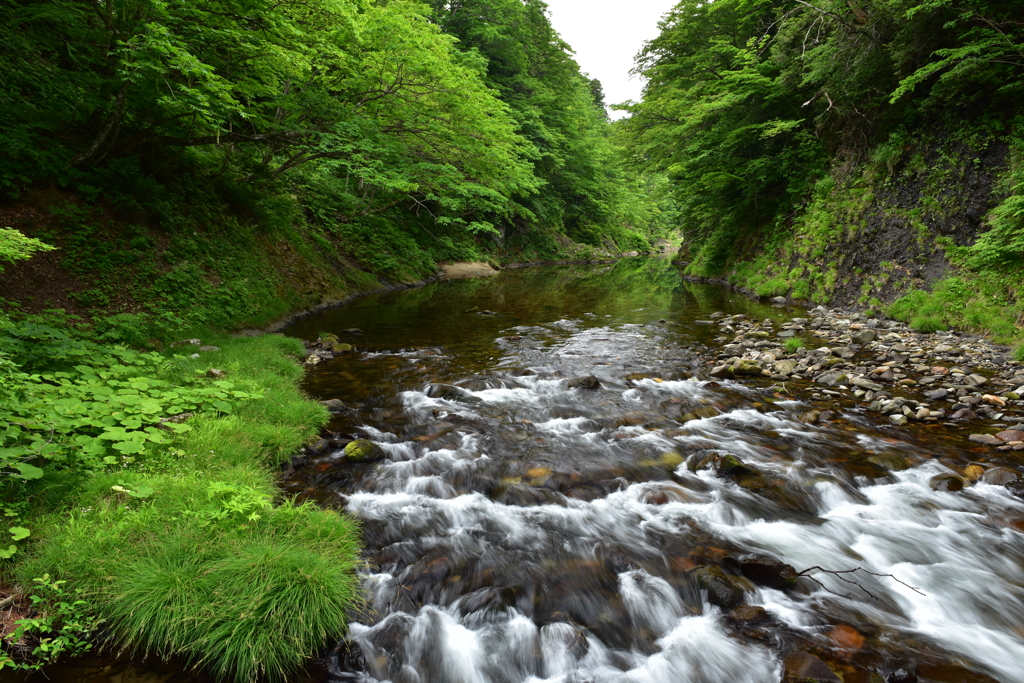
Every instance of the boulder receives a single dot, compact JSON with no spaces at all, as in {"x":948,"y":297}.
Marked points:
{"x":731,"y":466}
{"x":364,"y":450}
{"x":844,"y":352}
{"x":974,"y":380}
{"x":449,"y":392}
{"x":333,"y":404}
{"x":748,"y":615}
{"x":1000,"y":476}
{"x":779,"y":300}
{"x":936,"y":394}
{"x":746,"y":366}
{"x":587,"y":382}
{"x":898,"y":420}
{"x":863,"y":337}
{"x":946,"y":482}
{"x":766,"y":571}
{"x":722,"y":589}
{"x":1011,"y":435}
{"x":986,"y":439}
{"x":785,"y":367}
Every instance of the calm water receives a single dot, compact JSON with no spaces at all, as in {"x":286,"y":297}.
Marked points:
{"x":521,"y":529}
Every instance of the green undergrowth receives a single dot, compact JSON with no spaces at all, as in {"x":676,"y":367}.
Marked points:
{"x":987,"y":303}
{"x":172,"y":537}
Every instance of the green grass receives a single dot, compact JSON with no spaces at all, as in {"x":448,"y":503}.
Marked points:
{"x":793,"y":344}
{"x":213,"y":566}
{"x":1018,"y":352}
{"x":924,"y":323}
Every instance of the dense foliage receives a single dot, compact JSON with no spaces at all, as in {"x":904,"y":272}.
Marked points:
{"x":756,"y":108}
{"x":396,"y":124}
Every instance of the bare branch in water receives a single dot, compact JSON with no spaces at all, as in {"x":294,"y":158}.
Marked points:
{"x":838,"y":574}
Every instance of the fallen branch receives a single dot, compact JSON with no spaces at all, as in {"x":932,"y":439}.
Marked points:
{"x":838,"y":574}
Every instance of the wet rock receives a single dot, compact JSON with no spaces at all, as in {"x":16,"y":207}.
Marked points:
{"x":588,"y":382}
{"x":972,"y":473}
{"x":364,"y":450}
{"x":312,"y":360}
{"x":898,"y":420}
{"x":964,"y":414}
{"x":731,"y":466}
{"x":843,"y":352}
{"x":803,"y":667}
{"x":1016,"y":487}
{"x":352,"y":330}
{"x":1011,"y":435}
{"x":721,"y":588}
{"x":974,"y":380}
{"x":986,"y":439}
{"x":902,"y":675}
{"x":333,"y":404}
{"x":449,"y":392}
{"x":779,"y":300}
{"x":318,"y":446}
{"x":766,"y":571}
{"x":748,"y":615}
{"x":785,"y":367}
{"x":936,"y":394}
{"x":1000,"y":476}
{"x":946,"y":482}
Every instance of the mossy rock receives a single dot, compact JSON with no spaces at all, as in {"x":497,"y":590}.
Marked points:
{"x":327,"y":339}
{"x":364,"y":450}
{"x":732,"y":466}
{"x":746,"y":366}
{"x":341,"y":348}
{"x":723,"y":590}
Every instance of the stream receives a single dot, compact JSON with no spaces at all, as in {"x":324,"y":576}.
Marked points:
{"x":529,"y":523}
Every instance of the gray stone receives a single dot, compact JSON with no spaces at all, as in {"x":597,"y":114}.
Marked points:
{"x":866,"y":384}
{"x":974,"y":380}
{"x":898,"y":420}
{"x":779,"y":300}
{"x":186,"y":342}
{"x":863,"y":336}
{"x":987,"y":439}
{"x":936,"y":394}
{"x":216,"y":373}
{"x":831,"y":378}
{"x":209,"y":348}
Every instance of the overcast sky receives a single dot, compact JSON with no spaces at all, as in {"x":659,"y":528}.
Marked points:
{"x":606,"y":35}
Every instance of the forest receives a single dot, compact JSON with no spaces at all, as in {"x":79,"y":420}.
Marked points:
{"x":180,"y":170}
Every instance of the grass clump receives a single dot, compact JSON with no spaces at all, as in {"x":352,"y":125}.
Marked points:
{"x":1018,"y":352}
{"x":927,"y":324}
{"x":793,"y":344}
{"x":187,"y":550}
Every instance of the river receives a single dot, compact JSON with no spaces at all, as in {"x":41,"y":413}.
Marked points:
{"x":526,"y":527}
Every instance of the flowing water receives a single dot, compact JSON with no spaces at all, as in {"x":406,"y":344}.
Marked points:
{"x":522,"y":529}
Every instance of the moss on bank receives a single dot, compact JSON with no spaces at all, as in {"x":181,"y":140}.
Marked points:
{"x":188,"y":550}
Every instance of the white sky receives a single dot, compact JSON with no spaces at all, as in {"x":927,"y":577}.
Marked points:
{"x":606,"y":35}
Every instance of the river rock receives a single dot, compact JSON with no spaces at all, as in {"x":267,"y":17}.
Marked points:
{"x":863,"y":337}
{"x":946,"y":482}
{"x":844,"y":352}
{"x":898,"y":420}
{"x":1011,"y":435}
{"x":766,"y":571}
{"x":803,"y":667}
{"x":974,"y":380}
{"x":832,"y":378}
{"x":866,"y":384}
{"x":333,"y":404}
{"x":986,"y":439}
{"x":746,"y":366}
{"x":722,"y":588}
{"x":901,"y":675}
{"x":731,"y":466}
{"x":936,"y":394}
{"x":1016,"y":487}
{"x":785,"y":367}
{"x":216,"y":373}
{"x":748,"y":615}
{"x":779,"y":300}
{"x":449,"y":392}
{"x":364,"y":450}
{"x":588,"y":382}
{"x":1000,"y":476}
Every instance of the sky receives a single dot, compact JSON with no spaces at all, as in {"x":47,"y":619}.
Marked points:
{"x":606,"y":35}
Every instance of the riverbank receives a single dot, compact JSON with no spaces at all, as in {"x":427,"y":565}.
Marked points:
{"x":176,"y":539}
{"x":839,"y":361}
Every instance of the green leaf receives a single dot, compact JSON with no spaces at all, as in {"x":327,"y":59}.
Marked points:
{"x":19,"y":533}
{"x":29,"y":471}
{"x":6,"y":554}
